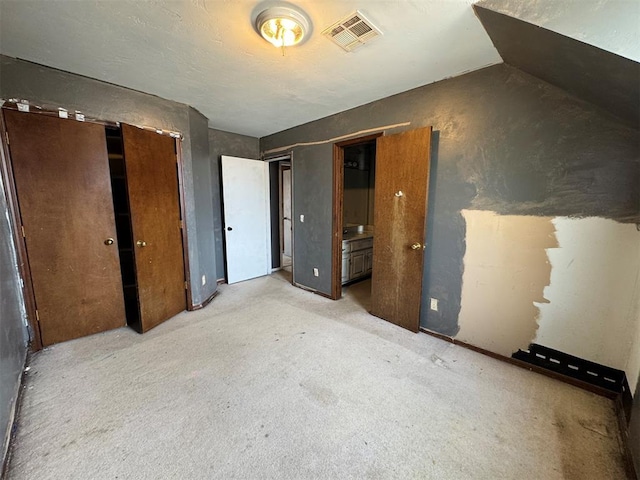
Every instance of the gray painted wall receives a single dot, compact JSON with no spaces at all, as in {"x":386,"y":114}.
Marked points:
{"x":203,"y":203}
{"x":235,"y":145}
{"x":312,"y":175}
{"x":13,"y":332}
{"x":50,"y":87}
{"x":505,"y":141}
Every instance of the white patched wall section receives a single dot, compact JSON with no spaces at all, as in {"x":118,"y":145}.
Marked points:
{"x":571,"y":284}
{"x":593,"y":295}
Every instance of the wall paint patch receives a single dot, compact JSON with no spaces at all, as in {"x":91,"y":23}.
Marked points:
{"x":592,"y":310}
{"x":506,"y":270}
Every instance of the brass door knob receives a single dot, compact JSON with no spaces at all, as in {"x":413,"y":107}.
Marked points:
{"x":108,"y":241}
{"x":416,"y":246}
{"x":140,"y":243}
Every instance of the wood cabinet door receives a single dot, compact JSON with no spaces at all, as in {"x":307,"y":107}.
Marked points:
{"x":357,"y":265}
{"x":61,"y":173}
{"x":368,"y":261}
{"x":152,"y":184}
{"x":401,"y":188}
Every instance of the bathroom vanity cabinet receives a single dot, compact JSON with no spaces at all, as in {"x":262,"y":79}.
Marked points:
{"x":357,"y":255}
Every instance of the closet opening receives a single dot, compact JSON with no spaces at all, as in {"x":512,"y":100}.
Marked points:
{"x":116,"y":189}
{"x":124,"y":231}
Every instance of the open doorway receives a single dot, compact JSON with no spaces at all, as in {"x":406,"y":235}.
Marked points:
{"x":358,"y":221}
{"x":391,"y":248}
{"x":281,"y":201}
{"x":286,"y":227}
{"x":354,"y":191}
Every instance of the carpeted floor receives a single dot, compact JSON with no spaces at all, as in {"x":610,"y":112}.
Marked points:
{"x":273,"y":382}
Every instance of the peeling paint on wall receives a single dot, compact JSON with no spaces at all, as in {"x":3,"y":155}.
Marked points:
{"x":592,"y":305}
{"x":506,"y":270}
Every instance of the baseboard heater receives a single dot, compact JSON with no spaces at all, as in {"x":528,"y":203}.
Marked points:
{"x":580,"y":369}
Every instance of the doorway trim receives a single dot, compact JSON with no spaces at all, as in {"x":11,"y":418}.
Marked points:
{"x":285,"y":158}
{"x":338,"y":198}
{"x":185,"y":238}
{"x":282,"y":167}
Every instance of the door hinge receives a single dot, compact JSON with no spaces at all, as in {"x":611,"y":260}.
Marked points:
{"x":181,"y":225}
{"x":186,"y":285}
{"x":6,"y":135}
{"x":37,"y":316}
{"x":22,"y":228}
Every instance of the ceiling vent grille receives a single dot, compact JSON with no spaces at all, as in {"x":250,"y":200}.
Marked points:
{"x":352,"y":31}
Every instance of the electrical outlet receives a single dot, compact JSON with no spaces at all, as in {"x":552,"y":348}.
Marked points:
{"x":302,"y":218}
{"x":434,"y":304}
{"x":204,"y":279}
{"x":315,"y":272}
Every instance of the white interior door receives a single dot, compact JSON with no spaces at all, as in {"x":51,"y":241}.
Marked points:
{"x":246,"y":217}
{"x":286,"y":211}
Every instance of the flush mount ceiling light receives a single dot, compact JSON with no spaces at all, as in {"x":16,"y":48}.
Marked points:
{"x":283,"y":26}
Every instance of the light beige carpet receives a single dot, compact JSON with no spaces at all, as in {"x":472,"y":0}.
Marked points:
{"x":270,"y":381}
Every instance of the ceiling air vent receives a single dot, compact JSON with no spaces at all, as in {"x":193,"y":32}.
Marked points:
{"x":352,"y":31}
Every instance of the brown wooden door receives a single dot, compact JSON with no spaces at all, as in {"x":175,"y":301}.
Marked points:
{"x":61,"y":172}
{"x":401,"y":188}
{"x":152,"y":182}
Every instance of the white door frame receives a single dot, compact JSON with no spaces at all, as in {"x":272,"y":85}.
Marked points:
{"x":287,"y":158}
{"x":283,"y":167}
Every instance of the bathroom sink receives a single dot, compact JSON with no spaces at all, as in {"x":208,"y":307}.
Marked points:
{"x":352,"y":231}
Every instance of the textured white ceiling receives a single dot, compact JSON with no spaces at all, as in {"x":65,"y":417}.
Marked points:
{"x":205,"y":53}
{"x":612,"y":25}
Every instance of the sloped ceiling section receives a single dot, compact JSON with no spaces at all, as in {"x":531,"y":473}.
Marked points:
{"x":612,"y":25}
{"x":598,"y":76}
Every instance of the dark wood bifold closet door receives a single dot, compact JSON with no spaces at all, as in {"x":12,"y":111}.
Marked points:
{"x":402,"y":179}
{"x":152,"y":179}
{"x":61,"y":172}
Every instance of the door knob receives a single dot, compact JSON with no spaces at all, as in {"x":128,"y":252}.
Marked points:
{"x":140,"y":243}
{"x":416,"y":246}
{"x":229,"y":229}
{"x":108,"y":241}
